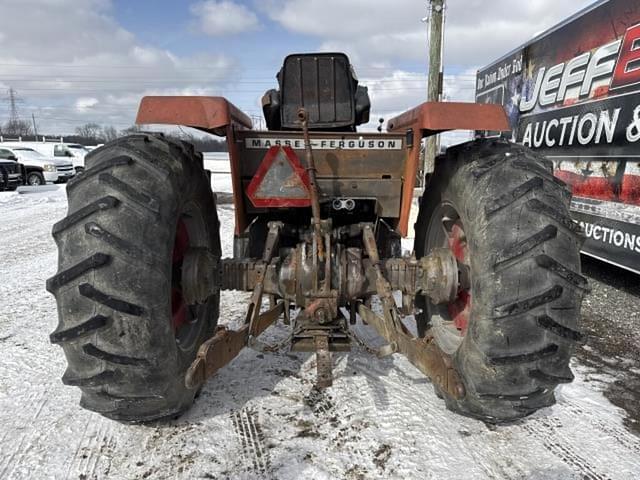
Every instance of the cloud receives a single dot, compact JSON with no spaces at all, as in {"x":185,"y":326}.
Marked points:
{"x":380,"y":36}
{"x":218,"y":18}
{"x":72,"y":63}
{"x":402,"y":90}
{"x":59,"y":53}
{"x":86,"y":103}
{"x":476,"y":31}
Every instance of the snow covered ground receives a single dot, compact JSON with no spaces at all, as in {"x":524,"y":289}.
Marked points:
{"x":259,"y":417}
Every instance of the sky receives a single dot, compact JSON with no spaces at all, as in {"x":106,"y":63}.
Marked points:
{"x":77,"y":61}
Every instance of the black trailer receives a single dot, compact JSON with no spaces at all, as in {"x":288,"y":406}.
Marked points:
{"x":573,"y":94}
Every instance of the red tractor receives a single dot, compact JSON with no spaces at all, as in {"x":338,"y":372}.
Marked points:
{"x":490,"y":298}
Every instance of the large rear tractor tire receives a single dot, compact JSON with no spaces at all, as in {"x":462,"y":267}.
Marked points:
{"x":514,"y":325}
{"x":125,"y":327}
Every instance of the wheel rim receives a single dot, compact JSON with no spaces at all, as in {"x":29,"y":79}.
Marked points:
{"x":186,"y":320}
{"x":34,"y":181}
{"x":450,"y":322}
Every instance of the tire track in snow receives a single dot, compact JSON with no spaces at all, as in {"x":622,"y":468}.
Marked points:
{"x":10,"y":461}
{"x":249,"y":432}
{"x":75,"y":460}
{"x":508,"y":469}
{"x":389,"y":404}
{"x":87,"y":453}
{"x":546,"y":430}
{"x":90,"y":454}
{"x":90,"y":457}
{"x":620,"y":434}
{"x":410,"y":405}
{"x":10,"y":465}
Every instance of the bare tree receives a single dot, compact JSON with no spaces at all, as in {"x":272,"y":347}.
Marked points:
{"x":109,"y":133}
{"x":89,"y":130}
{"x":128,"y":131}
{"x":17,"y":128}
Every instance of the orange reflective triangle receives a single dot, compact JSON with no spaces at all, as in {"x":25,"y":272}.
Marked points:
{"x":280,"y":181}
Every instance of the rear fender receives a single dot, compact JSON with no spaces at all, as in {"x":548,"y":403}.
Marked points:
{"x":215,"y":115}
{"x":210,"y":114}
{"x":431,"y":118}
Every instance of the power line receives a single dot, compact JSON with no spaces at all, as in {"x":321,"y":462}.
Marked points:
{"x":70,"y":91}
{"x":417,"y":77}
{"x":358,"y":68}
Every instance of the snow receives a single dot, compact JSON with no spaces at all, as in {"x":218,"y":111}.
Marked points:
{"x":218,"y":164}
{"x":259,"y":417}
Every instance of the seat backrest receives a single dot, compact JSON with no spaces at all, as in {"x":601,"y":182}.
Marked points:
{"x":325,"y":85}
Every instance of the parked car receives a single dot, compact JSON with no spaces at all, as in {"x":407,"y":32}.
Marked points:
{"x":70,"y":151}
{"x":11,"y":174}
{"x":40,"y":169}
{"x":78,"y":153}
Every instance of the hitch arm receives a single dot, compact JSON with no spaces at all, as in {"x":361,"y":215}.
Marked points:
{"x":226,"y":344}
{"x":423,"y":353}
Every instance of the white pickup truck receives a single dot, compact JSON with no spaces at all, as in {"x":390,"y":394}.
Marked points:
{"x":40,"y":169}
{"x":73,"y":152}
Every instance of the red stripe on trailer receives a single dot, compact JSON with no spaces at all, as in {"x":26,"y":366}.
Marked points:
{"x":630,"y":189}
{"x":591,"y":187}
{"x":602,"y":188}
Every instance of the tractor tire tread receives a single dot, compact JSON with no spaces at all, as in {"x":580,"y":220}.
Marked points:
{"x":60,"y":279}
{"x":89,"y":291}
{"x":515,"y":194}
{"x":103,"y":378}
{"x":528,"y":304}
{"x":87,"y":174}
{"x":125,"y":247}
{"x":73,"y":218}
{"x":525,"y":357}
{"x":138,"y":197}
{"x":85,"y":328}
{"x":549,"y":379}
{"x":570,"y":276}
{"x":518,"y":250}
{"x":554,"y":214}
{"x":548,"y":323}
{"x":94,"y":351}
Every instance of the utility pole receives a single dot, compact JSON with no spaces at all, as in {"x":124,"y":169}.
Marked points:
{"x":434,"y":86}
{"x":35,"y":128}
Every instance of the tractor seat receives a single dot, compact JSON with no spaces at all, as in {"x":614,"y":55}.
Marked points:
{"x":325,"y":85}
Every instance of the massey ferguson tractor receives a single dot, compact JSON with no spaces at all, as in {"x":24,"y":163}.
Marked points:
{"x":486,"y":306}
